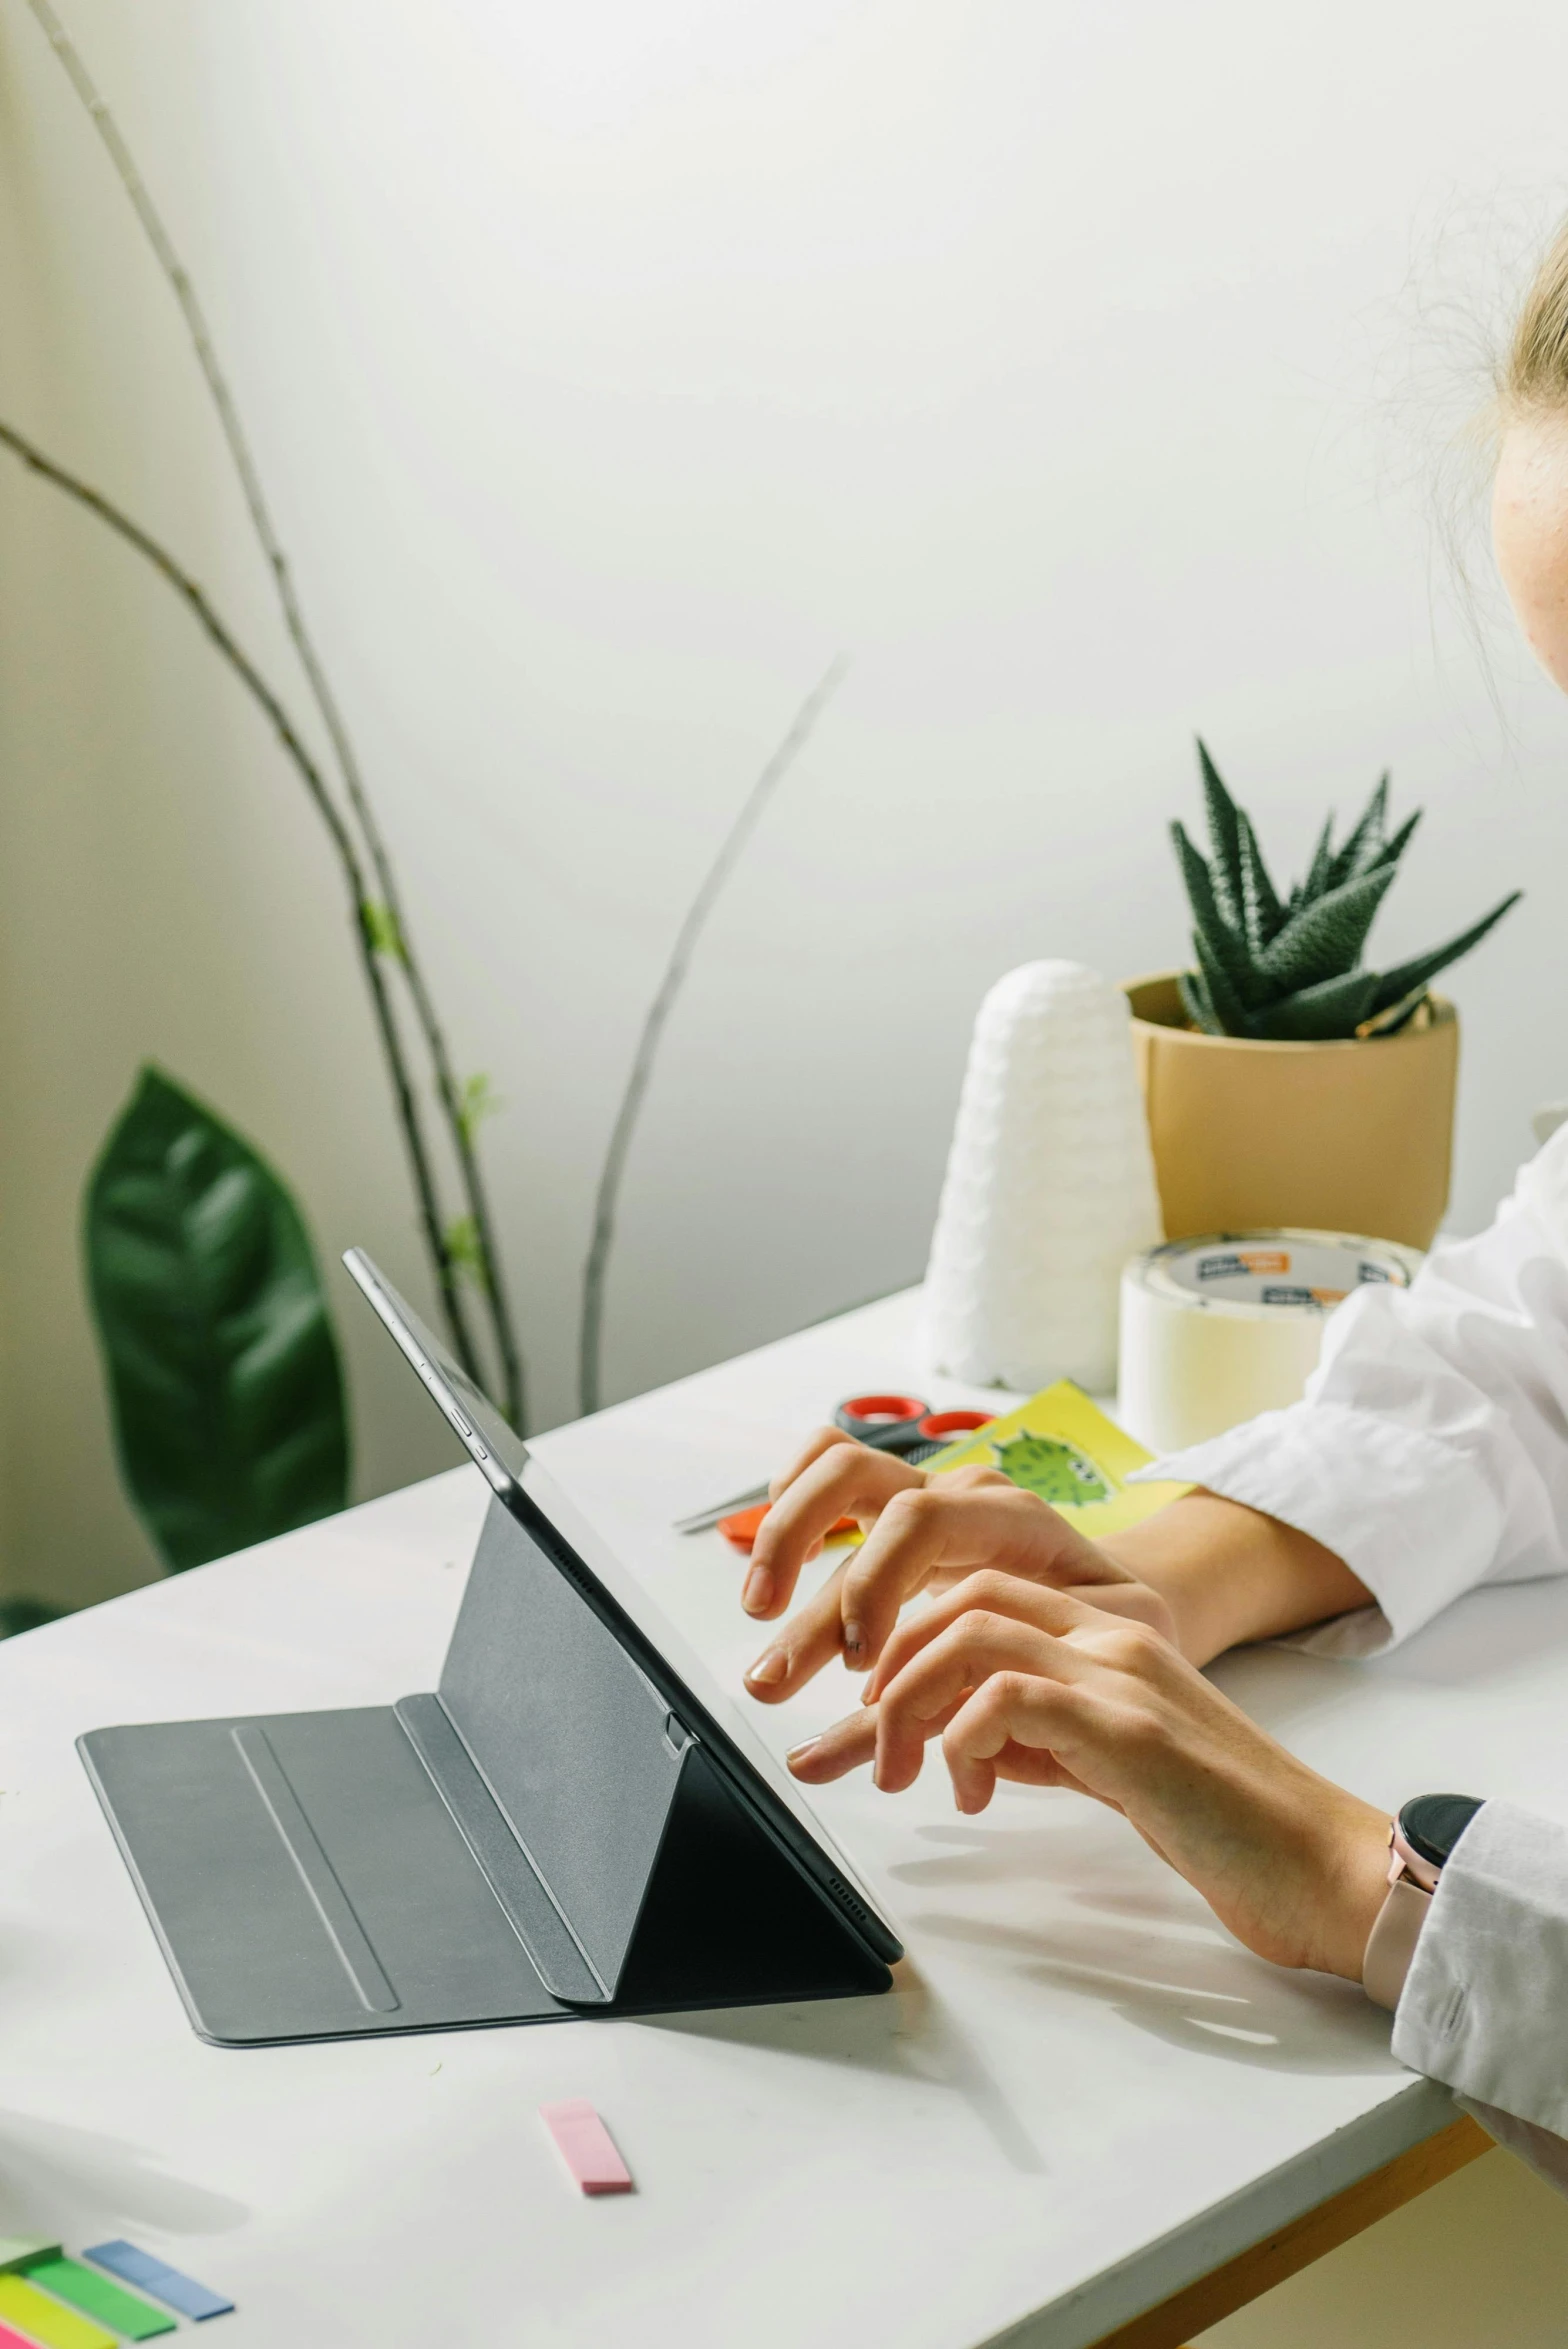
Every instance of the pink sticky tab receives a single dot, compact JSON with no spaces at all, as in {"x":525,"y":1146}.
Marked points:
{"x":586,"y":2147}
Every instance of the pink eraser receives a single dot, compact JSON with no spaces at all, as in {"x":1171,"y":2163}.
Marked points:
{"x":586,"y":2147}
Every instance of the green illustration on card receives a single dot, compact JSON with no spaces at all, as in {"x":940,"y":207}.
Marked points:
{"x":1062,"y":1447}
{"x":1055,"y":1471}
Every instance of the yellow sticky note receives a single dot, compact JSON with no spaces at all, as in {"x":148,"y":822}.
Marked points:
{"x":46,"y":2321}
{"x":1062,"y":1446}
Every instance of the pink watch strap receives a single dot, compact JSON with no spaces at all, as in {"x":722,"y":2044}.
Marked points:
{"x":1391,"y":1944}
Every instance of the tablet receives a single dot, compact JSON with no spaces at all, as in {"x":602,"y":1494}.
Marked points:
{"x":558,"y":1531}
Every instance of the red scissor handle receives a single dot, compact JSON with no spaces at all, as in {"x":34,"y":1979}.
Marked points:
{"x":874,"y":1418}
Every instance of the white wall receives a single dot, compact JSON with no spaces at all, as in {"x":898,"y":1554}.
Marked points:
{"x":612,"y":367}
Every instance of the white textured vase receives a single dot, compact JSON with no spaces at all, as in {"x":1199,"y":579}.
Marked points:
{"x":1049,"y":1188}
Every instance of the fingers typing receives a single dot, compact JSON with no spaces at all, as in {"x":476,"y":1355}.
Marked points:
{"x":839,"y":1479}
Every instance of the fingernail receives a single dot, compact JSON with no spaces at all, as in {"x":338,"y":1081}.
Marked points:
{"x":798,"y":1753}
{"x":770,"y":1669}
{"x":758,"y":1591}
{"x":854,"y":1643}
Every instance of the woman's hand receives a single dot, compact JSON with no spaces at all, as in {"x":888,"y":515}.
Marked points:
{"x":923,"y":1533}
{"x":1029,"y":1683}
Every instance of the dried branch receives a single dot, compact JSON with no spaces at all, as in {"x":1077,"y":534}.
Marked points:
{"x":361,"y":906}
{"x":654,"y":1025}
{"x":486,"y":1256}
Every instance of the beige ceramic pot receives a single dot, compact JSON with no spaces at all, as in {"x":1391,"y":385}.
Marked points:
{"x":1351,"y":1137}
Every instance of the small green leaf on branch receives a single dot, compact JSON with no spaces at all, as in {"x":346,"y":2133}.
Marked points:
{"x":477,"y":1101}
{"x":465,"y":1249}
{"x":380,"y":926}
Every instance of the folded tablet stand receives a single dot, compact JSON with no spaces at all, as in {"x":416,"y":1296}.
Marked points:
{"x":540,"y":1838}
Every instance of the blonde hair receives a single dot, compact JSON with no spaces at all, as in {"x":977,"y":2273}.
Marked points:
{"x":1533,"y":379}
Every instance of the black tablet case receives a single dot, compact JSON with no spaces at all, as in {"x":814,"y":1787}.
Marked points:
{"x":541,"y":1838}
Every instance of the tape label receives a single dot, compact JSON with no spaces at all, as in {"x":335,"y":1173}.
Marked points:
{"x":1295,"y":1272}
{"x":1281,"y":1293}
{"x":1237,"y":1263}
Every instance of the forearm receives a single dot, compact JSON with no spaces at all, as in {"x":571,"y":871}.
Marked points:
{"x":1230,"y":1574}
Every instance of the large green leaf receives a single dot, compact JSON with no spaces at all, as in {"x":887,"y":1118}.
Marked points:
{"x":224,"y":1379}
{"x":18,"y":1615}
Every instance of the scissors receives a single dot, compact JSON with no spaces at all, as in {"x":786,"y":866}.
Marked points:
{"x":901,"y":1424}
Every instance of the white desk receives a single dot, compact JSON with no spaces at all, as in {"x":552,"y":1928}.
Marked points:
{"x":1081,"y":2095}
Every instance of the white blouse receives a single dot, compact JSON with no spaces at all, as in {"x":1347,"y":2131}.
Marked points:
{"x":1431,"y":1454}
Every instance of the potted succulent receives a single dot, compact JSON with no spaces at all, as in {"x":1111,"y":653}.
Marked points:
{"x":1285,"y":1082}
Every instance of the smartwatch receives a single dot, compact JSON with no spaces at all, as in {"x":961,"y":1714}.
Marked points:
{"x":1420,"y":1842}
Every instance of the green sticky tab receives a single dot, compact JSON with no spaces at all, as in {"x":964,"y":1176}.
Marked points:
{"x":55,"y":2327}
{"x":102,"y":2297}
{"x":18,"y":2251}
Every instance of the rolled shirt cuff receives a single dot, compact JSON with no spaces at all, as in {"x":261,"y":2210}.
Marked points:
{"x":1412,"y":1517}
{"x":1481,"y":2006}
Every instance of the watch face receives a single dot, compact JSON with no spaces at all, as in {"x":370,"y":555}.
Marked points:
{"x":1432,"y":1823}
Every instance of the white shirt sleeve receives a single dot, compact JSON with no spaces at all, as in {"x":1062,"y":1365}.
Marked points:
{"x":1431,"y":1451}
{"x":1483,"y":2003}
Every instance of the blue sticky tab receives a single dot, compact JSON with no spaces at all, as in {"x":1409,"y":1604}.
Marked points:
{"x":163,"y":2282}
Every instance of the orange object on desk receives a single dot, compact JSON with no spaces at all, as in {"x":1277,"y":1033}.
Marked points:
{"x":741,"y":1529}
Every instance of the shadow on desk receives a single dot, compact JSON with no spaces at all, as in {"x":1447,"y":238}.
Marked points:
{"x":910,"y":2035}
{"x":1275,"y":2022}
{"x":58,"y":2181}
{"x":1147,"y":1948}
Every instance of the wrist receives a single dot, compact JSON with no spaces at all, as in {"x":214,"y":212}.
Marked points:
{"x":1204,"y":1600}
{"x":1352,"y":1879}
{"x":1230,"y":1574}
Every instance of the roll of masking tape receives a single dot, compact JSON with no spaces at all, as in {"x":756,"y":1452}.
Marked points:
{"x":1215,"y":1330}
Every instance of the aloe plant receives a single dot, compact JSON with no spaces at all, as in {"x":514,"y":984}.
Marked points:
{"x":1289,"y":968}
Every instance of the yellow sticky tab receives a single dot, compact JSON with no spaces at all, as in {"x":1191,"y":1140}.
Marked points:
{"x":1062,"y":1446}
{"x":46,"y":2321}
